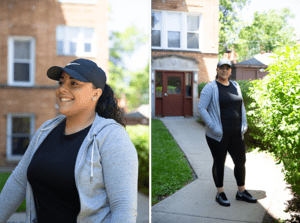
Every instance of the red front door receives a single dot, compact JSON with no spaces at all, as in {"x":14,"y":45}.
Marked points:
{"x":173,"y":94}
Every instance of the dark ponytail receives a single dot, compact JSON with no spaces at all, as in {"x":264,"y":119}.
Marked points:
{"x":107,"y":106}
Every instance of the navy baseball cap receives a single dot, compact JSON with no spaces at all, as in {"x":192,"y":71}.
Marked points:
{"x":82,"y":70}
{"x":224,"y":61}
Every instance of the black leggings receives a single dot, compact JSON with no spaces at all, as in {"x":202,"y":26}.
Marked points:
{"x":233,"y":143}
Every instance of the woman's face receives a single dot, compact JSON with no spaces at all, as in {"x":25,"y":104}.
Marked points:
{"x":75,"y":97}
{"x":224,"y":72}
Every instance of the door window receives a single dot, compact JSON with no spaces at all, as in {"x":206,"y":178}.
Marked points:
{"x":174,"y":85}
{"x":158,"y":84}
{"x":188,"y":84}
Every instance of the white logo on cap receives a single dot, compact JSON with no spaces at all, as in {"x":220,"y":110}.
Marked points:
{"x":73,"y":64}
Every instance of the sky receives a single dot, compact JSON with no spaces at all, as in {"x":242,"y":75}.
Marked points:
{"x":124,"y":13}
{"x":263,"y":5}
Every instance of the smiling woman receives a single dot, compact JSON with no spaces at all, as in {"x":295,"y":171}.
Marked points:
{"x":78,"y":158}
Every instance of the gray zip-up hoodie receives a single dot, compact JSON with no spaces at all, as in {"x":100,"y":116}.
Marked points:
{"x":106,"y":171}
{"x":209,"y":109}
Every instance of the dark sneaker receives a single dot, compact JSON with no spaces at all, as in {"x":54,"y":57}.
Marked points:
{"x":245,"y":196}
{"x":222,"y":199}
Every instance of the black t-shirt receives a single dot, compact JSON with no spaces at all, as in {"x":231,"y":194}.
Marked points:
{"x":51,"y":176}
{"x":230,"y":106}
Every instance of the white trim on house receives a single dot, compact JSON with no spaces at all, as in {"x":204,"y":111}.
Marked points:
{"x":9,"y":153}
{"x":183,"y":31}
{"x":11,"y":60}
{"x":86,"y":2}
{"x":79,"y":36}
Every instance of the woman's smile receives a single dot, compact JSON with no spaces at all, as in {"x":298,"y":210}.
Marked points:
{"x":74,"y":97}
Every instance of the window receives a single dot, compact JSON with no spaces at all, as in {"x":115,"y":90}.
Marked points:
{"x":178,"y":31}
{"x":20,"y":130}
{"x":158,"y":84}
{"x":88,"y":2}
{"x":21,"y":61}
{"x":75,"y":41}
{"x":188,"y":84}
{"x":173,"y":28}
{"x":193,"y":32}
{"x":156,"y":29}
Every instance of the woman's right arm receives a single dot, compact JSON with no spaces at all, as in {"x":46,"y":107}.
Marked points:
{"x":14,"y":190}
{"x":205,"y":99}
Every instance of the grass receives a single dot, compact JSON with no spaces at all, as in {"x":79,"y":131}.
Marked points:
{"x":3,"y":179}
{"x":170,"y":169}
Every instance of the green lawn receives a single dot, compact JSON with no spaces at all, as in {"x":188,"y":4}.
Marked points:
{"x":170,"y":169}
{"x":3,"y":179}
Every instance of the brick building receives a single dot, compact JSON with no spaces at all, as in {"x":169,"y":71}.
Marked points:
{"x":185,"y":39}
{"x":35,"y":35}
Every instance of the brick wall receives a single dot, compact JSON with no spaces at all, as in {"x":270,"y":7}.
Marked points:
{"x":39,"y":19}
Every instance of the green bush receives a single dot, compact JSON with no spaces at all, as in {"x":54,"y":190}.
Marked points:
{"x":200,"y":87}
{"x":139,"y":135}
{"x":253,"y":134}
{"x":276,"y":111}
{"x":245,"y":85}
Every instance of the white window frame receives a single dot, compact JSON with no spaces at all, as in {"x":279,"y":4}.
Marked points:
{"x":79,"y":42}
{"x":11,"y":60}
{"x":183,"y":31}
{"x":86,"y":2}
{"x":9,"y":155}
{"x":157,"y":30}
{"x":172,"y":30}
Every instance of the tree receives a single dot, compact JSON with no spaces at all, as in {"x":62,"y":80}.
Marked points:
{"x":267,"y":29}
{"x":229,"y":22}
{"x":123,"y":43}
{"x":138,"y":91}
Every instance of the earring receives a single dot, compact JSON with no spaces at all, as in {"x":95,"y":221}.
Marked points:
{"x":93,"y":99}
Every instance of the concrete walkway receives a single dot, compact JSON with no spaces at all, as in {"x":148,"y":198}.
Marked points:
{"x":143,"y":212}
{"x":196,"y":201}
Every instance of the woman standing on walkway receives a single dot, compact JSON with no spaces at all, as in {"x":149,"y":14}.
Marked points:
{"x":81,"y":166}
{"x":222,"y":109}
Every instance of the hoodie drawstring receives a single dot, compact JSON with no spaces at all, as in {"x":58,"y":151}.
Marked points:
{"x":92,"y":165}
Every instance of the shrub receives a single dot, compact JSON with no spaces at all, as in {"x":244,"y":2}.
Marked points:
{"x":139,"y":135}
{"x":253,"y":134}
{"x":200,"y":87}
{"x":275,"y":111}
{"x":245,"y":85}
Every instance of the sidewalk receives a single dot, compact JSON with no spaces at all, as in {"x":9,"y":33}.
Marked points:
{"x":196,"y":201}
{"x":143,"y":212}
